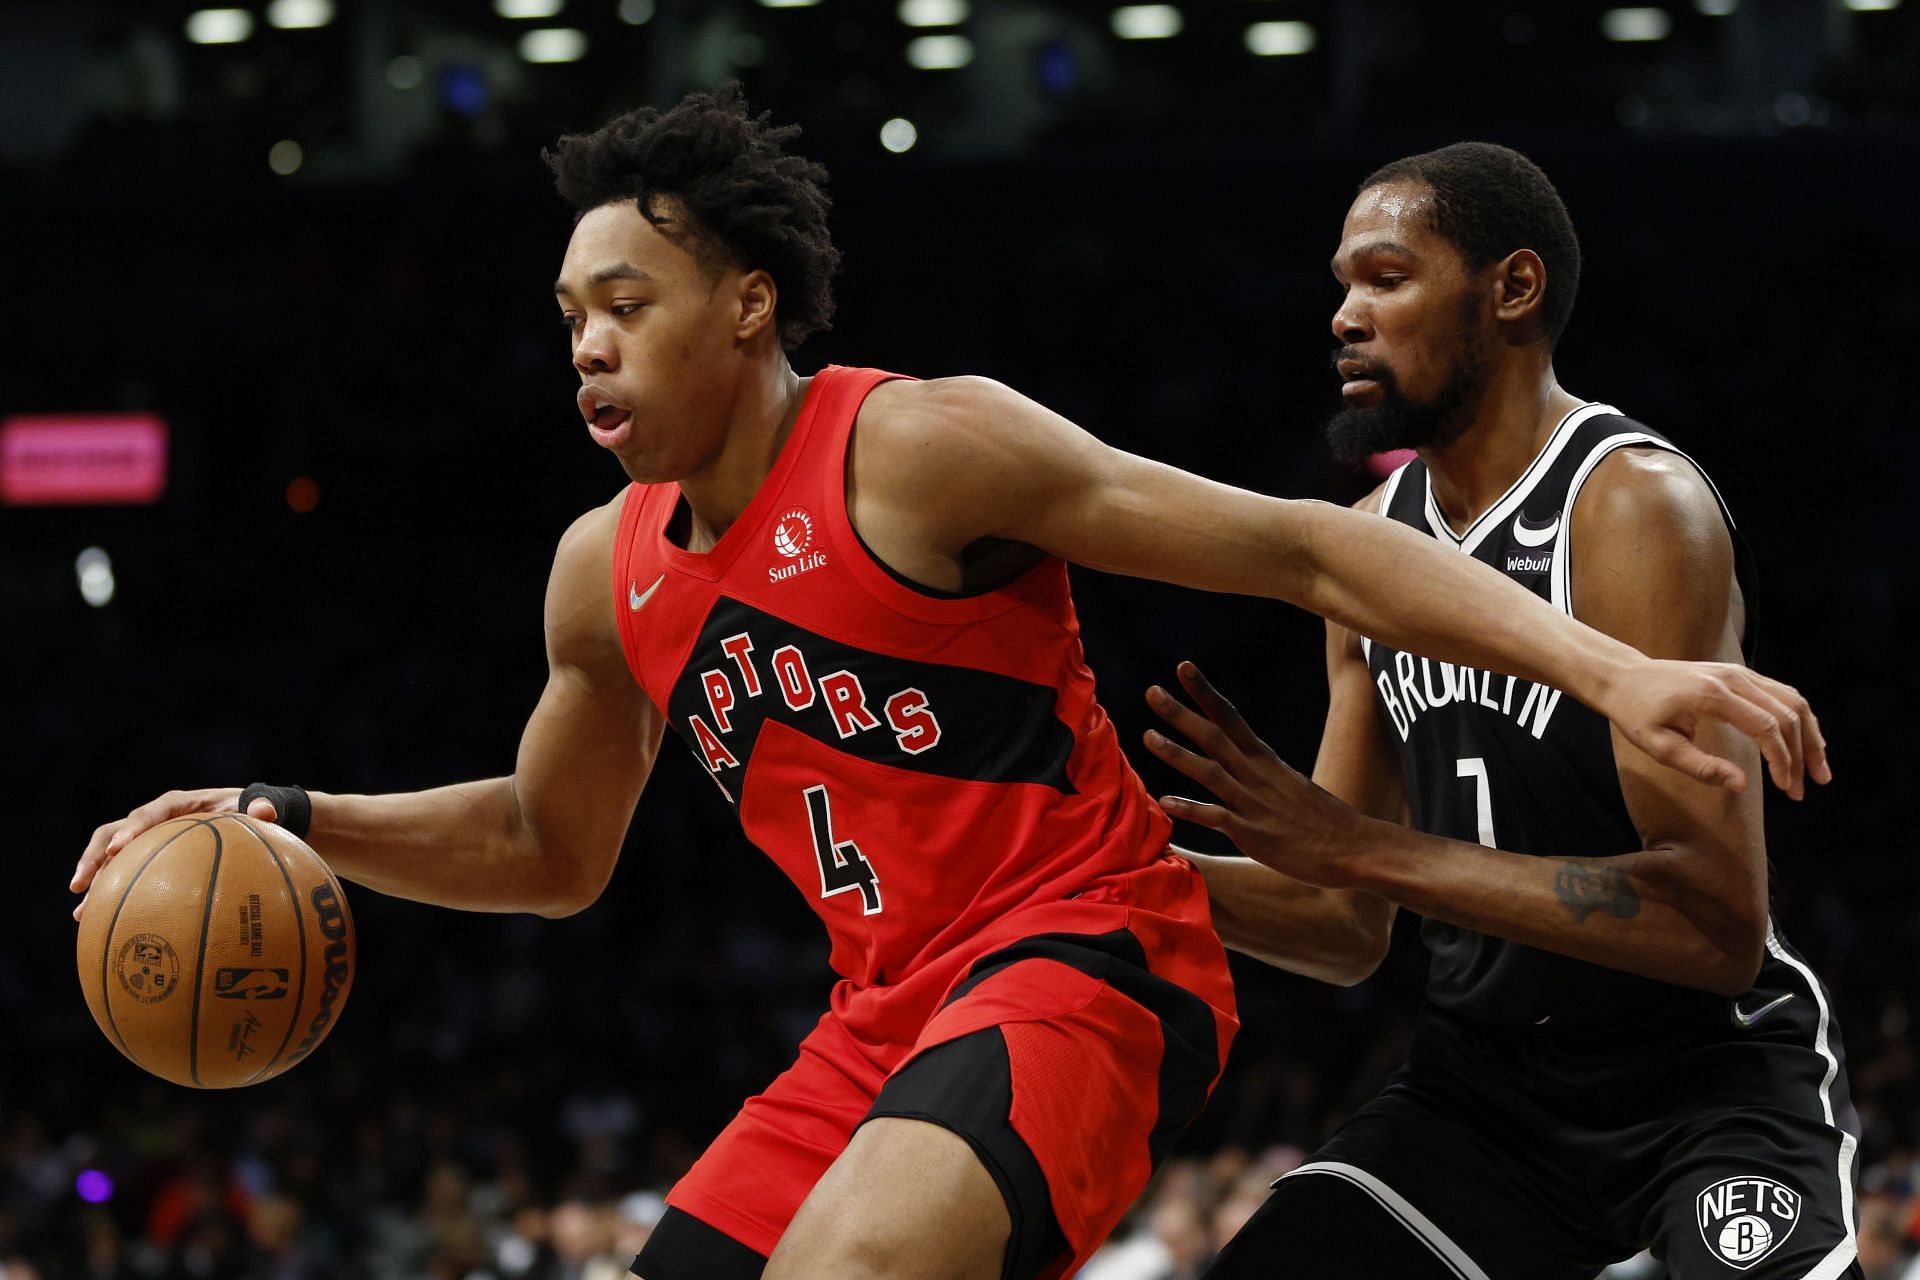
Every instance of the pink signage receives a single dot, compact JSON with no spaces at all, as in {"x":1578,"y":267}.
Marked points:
{"x":74,"y":459}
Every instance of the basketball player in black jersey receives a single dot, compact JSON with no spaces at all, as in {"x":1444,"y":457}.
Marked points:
{"x":1616,"y":1049}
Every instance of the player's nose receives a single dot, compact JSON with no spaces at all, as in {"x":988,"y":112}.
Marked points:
{"x":1350,"y":326}
{"x":595,"y":352}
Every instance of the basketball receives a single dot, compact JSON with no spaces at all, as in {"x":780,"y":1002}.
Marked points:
{"x":216,"y":950}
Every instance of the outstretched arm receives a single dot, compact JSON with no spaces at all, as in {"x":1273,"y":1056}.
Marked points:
{"x":1653,"y":564}
{"x":981,"y":461}
{"x":544,"y":839}
{"x":1334,"y":935}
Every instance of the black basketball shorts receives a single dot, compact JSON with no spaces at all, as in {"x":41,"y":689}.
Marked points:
{"x":1729,"y":1154}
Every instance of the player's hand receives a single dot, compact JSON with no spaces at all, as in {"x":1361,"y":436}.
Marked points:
{"x":110,"y":838}
{"x":1266,"y":807}
{"x":1660,"y":704}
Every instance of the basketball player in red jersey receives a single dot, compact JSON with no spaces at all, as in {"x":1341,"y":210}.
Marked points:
{"x":848,"y":593}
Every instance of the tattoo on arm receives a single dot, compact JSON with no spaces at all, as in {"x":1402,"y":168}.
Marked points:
{"x":1584,"y":890}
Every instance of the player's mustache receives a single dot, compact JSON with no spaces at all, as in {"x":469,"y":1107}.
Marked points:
{"x":1367,"y":367}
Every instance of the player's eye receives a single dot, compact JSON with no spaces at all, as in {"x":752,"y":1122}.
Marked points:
{"x":569,"y":321}
{"x":627,"y":308}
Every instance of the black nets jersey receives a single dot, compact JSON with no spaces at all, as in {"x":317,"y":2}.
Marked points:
{"x":1491,"y":758}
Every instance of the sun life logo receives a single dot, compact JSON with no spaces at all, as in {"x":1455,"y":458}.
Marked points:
{"x":794,"y":534}
{"x":793,"y":538}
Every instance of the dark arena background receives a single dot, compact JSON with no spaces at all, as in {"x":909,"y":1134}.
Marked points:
{"x":300,"y":253}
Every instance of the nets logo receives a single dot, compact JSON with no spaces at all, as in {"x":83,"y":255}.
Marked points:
{"x":1744,"y":1219}
{"x":793,"y":538}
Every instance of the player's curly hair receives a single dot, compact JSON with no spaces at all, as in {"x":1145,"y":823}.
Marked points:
{"x":748,"y":201}
{"x":1490,"y":200}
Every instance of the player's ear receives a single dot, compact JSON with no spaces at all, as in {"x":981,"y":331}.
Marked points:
{"x":1520,"y":286}
{"x":758,"y":296}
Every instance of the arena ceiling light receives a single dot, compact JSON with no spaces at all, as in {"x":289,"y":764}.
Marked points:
{"x":1716,"y":8}
{"x":1635,"y":26}
{"x":1871,"y":6}
{"x":553,"y":44}
{"x":933,"y":13}
{"x":528,"y":10}
{"x":1280,"y":39}
{"x":1147,"y":21}
{"x":219,"y":26}
{"x":636,"y":13}
{"x":898,"y":135}
{"x":788,"y":4}
{"x":299,"y":15}
{"x":939,"y":53}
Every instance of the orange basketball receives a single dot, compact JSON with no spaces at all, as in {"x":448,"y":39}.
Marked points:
{"x":216,"y":950}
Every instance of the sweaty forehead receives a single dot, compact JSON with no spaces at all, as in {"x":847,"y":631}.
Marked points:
{"x":1398,"y":213}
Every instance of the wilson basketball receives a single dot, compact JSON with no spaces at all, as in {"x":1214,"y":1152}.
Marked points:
{"x":216,"y":950}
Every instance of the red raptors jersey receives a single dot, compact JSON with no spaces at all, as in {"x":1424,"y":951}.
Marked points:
{"x":919,"y":766}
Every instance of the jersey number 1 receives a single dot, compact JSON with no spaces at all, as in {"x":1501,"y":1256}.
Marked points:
{"x":1475,"y":767}
{"x":842,"y":866}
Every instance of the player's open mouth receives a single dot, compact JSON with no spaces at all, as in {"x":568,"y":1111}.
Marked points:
{"x":607,"y":419}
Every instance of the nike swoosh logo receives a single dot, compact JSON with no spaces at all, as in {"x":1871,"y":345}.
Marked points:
{"x":1745,"y":1021}
{"x":636,"y":597}
{"x":1535,"y":537}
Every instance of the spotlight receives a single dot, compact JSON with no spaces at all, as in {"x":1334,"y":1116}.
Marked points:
{"x":1280,"y":39}
{"x":299,"y":15}
{"x":898,"y":135}
{"x":939,"y":53}
{"x":1147,"y":21}
{"x":219,"y":26}
{"x":553,"y":44}
{"x":1635,"y":26}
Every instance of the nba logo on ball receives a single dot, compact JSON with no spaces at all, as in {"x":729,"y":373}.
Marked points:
{"x":1744,"y":1219}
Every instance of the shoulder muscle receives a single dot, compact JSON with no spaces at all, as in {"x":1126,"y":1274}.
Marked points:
{"x":1652,"y":557}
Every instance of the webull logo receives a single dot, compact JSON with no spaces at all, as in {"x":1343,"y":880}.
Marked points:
{"x":332,"y":915}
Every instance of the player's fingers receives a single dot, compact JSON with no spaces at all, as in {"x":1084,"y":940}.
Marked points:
{"x":91,"y":857}
{"x":1181,"y":809}
{"x":1202,"y":732}
{"x":1210,"y":774}
{"x":1750,"y":711}
{"x":1803,"y":728}
{"x":262,"y":808}
{"x":80,"y":908}
{"x":1677,"y":751}
{"x":1218,"y":709}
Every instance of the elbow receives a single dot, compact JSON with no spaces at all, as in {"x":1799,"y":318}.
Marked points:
{"x":1734,"y":970}
{"x":1729,"y":961}
{"x":1360,"y":961}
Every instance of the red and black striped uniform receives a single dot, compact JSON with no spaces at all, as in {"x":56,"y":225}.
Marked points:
{"x":1019,"y":957}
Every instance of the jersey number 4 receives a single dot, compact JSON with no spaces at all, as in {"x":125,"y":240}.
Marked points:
{"x":843,"y":867}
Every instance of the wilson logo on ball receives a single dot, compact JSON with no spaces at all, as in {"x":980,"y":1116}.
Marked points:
{"x":1744,"y":1219}
{"x":333,"y":925}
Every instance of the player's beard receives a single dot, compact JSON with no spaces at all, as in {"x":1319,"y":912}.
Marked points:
{"x":1357,"y":432}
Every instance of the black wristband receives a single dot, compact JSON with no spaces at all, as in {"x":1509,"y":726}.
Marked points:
{"x":293,"y":805}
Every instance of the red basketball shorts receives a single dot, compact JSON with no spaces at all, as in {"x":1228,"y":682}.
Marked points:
{"x":1070,"y":1047}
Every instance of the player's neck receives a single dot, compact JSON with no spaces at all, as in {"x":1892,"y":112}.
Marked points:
{"x":1506,"y":429}
{"x":758,"y":425}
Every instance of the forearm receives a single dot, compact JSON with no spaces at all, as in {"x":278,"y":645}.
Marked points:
{"x":1401,"y":588}
{"x":1331,"y":935}
{"x":466,"y":846}
{"x":1640,"y":912}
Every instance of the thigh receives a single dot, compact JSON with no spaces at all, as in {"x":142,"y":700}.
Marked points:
{"x":1760,"y":1195}
{"x":907,"y":1200}
{"x":728,"y":1212}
